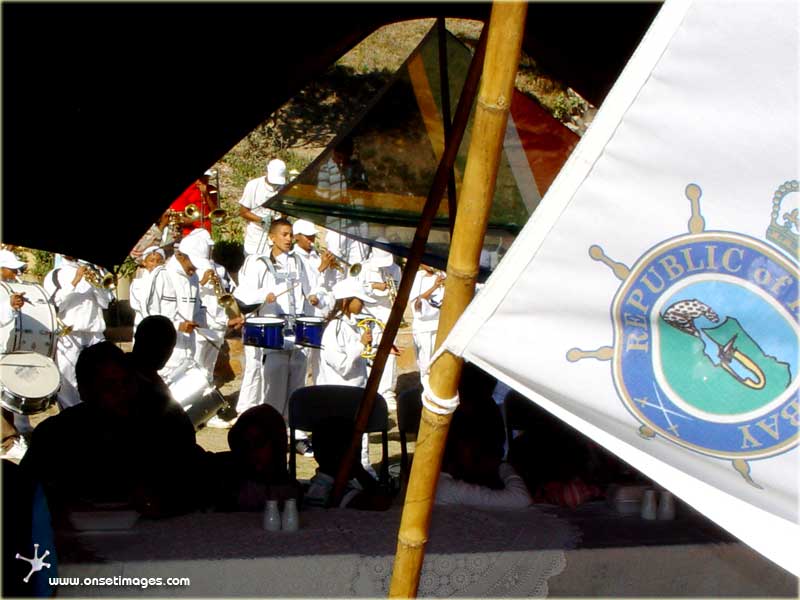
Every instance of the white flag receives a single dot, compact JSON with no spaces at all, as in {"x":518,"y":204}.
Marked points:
{"x":652,"y":299}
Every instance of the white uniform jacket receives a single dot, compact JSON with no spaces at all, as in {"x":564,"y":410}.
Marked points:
{"x":426,"y":319}
{"x":79,"y":306}
{"x":175,"y":295}
{"x":316,"y":281}
{"x":256,"y":193}
{"x":263,"y":274}
{"x":341,"y":354}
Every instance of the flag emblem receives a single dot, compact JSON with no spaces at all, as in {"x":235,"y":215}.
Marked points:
{"x":705,"y":350}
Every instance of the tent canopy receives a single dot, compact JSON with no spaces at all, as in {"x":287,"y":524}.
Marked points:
{"x":116,"y":108}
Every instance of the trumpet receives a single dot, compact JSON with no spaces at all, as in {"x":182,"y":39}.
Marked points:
{"x":353,"y":270}
{"x":367,"y":324}
{"x":96,"y":279}
{"x":391,"y":287}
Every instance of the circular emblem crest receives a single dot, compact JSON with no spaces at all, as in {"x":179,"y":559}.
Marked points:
{"x":706,"y":345}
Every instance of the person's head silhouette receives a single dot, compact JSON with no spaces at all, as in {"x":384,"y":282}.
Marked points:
{"x":153,"y":342}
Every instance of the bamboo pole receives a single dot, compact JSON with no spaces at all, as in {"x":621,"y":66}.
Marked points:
{"x":434,"y":199}
{"x":502,"y":57}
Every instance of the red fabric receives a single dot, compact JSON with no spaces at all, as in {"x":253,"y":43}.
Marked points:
{"x":571,"y":494}
{"x":191,"y":195}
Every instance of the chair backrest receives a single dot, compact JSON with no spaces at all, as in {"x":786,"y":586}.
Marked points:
{"x":310,"y":405}
{"x":409,"y":411}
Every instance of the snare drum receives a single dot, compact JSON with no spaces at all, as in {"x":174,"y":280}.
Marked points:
{"x":29,"y":382}
{"x":264,"y":332}
{"x":191,"y":389}
{"x":35,"y":326}
{"x":308,"y":331}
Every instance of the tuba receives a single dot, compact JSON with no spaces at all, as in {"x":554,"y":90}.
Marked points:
{"x":367,"y":324}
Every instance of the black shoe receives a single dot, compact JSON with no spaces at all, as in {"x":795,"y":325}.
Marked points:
{"x":303,"y":447}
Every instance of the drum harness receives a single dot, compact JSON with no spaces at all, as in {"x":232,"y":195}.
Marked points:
{"x":270,"y":262}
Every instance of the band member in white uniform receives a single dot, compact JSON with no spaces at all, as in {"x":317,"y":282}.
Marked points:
{"x":305,"y":234}
{"x":251,"y":207}
{"x":211,"y":275}
{"x":152,"y":257}
{"x":375,"y":273}
{"x":80,"y":306}
{"x":174,"y":293}
{"x":427,"y":293}
{"x":276,"y":282}
{"x":342,"y":345}
{"x":13,"y":425}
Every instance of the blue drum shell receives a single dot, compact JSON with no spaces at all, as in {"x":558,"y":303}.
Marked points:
{"x":264,"y":332}
{"x":308,"y":331}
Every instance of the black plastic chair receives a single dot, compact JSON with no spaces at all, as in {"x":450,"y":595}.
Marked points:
{"x":409,"y":412}
{"x":311,"y":405}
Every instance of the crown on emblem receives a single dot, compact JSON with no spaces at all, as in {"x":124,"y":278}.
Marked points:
{"x":785,"y":234}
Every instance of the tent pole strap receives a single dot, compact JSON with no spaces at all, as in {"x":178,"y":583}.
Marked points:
{"x":506,"y":27}
{"x":434,"y":199}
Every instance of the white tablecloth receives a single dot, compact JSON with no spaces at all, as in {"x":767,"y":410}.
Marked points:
{"x":471,"y":553}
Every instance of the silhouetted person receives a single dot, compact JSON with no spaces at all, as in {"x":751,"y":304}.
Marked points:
{"x":255,"y":468}
{"x":153,"y":344}
{"x":104,"y":450}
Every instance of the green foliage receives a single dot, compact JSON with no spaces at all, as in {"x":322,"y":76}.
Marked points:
{"x":43,"y":262}
{"x":127,"y":268}
{"x":567,"y":104}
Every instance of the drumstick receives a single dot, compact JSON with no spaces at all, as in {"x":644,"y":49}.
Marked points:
{"x":287,"y":290}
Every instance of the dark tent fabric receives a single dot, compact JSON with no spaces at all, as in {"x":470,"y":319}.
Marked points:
{"x":111,"y":110}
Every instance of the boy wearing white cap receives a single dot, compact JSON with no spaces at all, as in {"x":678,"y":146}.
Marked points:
{"x":252,"y":206}
{"x":376,"y":274}
{"x":80,"y":306}
{"x":277,"y":283}
{"x":305,"y":234}
{"x":152,"y":257}
{"x":174,"y":293}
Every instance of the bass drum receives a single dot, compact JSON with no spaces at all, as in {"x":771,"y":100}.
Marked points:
{"x":35,"y":326}
{"x":191,"y":389}
{"x":29,"y":382}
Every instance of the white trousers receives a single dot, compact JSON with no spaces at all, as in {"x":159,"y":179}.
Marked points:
{"x":68,"y":348}
{"x":205,"y":353}
{"x":388,"y":377}
{"x":270,"y":376}
{"x":284,"y":372}
{"x":252,"y":391}
{"x":424,"y":343}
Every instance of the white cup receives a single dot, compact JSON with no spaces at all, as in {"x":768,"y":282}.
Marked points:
{"x":666,"y":506}
{"x":649,"y":505}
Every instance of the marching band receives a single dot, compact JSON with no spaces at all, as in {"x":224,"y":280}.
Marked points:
{"x":307,"y":315}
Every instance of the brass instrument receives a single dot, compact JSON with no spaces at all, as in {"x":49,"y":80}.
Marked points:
{"x":218,"y":216}
{"x":353,"y":270}
{"x":366,"y":324}
{"x":96,"y":279}
{"x":391,"y":287}
{"x":63,"y":328}
{"x":191,"y":212}
{"x":225,"y":299}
